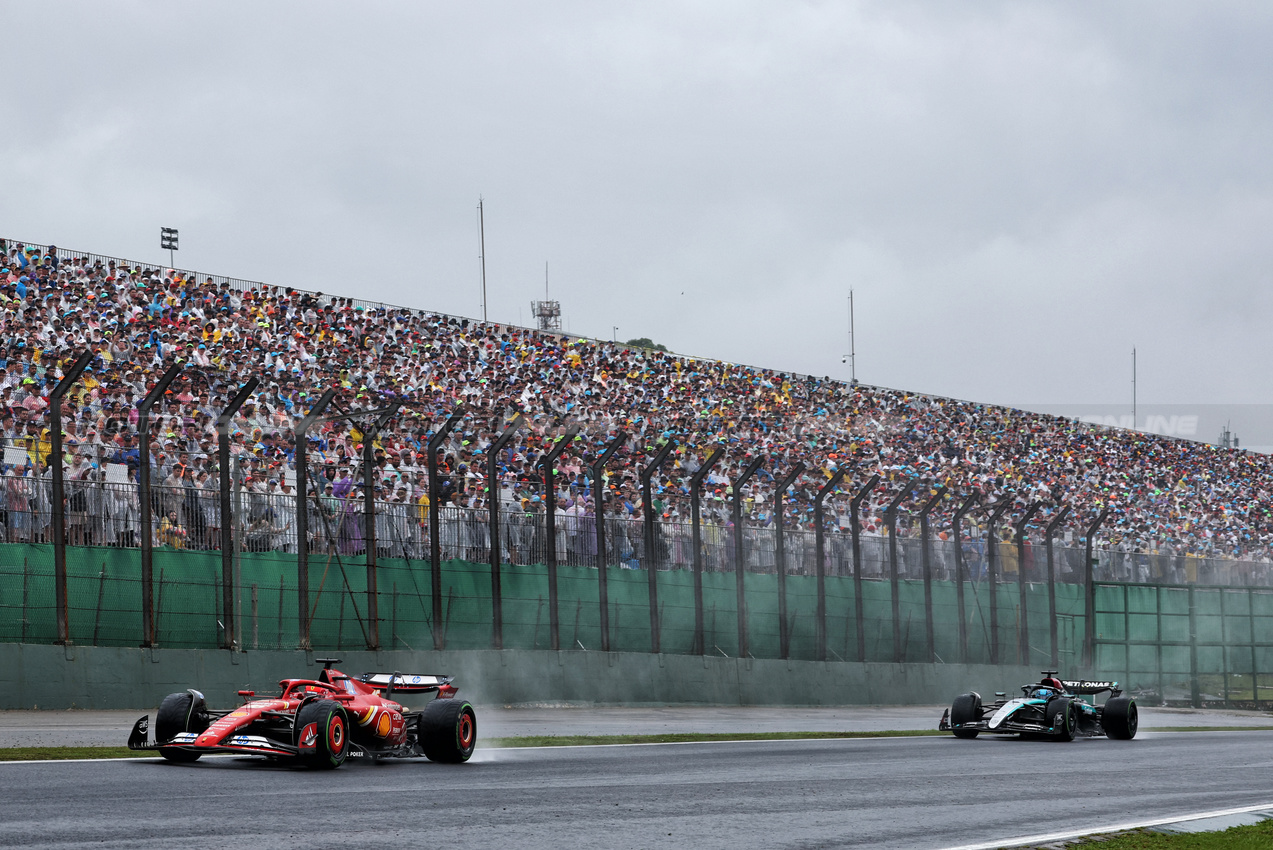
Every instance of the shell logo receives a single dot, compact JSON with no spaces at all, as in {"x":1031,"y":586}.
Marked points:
{"x":385,"y":724}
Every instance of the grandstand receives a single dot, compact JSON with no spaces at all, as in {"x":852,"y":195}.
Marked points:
{"x":1166,"y":496}
{"x":907,"y":486}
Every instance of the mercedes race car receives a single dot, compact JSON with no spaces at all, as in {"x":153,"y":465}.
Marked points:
{"x":319,"y":722}
{"x":1051,"y":708}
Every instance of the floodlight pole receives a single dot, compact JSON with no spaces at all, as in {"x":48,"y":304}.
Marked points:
{"x":819,"y":550}
{"x":598,"y":500}
{"x":149,"y":637}
{"x":59,"y":493}
{"x":227,"y":517}
{"x":302,"y":513}
{"x":740,"y":554}
{"x":651,"y":568}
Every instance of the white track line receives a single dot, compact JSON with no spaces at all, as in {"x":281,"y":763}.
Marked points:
{"x":1046,"y":838}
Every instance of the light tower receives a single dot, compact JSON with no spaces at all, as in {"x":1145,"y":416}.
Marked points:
{"x":547,"y":313}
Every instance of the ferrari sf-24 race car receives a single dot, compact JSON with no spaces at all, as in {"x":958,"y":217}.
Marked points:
{"x":319,"y":722}
{"x":1050,"y":708}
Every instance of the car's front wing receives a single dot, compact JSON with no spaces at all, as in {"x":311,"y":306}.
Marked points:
{"x":250,"y":744}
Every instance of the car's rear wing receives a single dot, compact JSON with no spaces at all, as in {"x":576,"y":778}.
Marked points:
{"x":1089,"y":687}
{"x":404,"y":683}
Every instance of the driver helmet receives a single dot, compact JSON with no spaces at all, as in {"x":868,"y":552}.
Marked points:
{"x":1055,"y":684}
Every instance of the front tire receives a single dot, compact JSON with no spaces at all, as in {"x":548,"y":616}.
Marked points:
{"x":1120,"y":718}
{"x":1062,"y":719}
{"x":322,"y":733}
{"x":179,"y":713}
{"x":965,"y":709}
{"x":447,"y":731}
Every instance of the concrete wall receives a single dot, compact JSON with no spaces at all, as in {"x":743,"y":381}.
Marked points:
{"x":53,"y":677}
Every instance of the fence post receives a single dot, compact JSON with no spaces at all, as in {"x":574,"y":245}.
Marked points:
{"x":143,"y":479}
{"x":548,"y":462}
{"x":1047,"y":539}
{"x":1023,"y":640}
{"x":598,"y":512}
{"x":992,"y":579}
{"x":494,"y":506}
{"x":435,"y":544}
{"x":696,"y":481}
{"x":1089,"y":597}
{"x":59,"y":506}
{"x":647,"y":511}
{"x":780,"y":559}
{"x":859,"y":610}
{"x":957,"y":524}
{"x":369,"y":522}
{"x":930,"y":647}
{"x":894,"y":580}
{"x":740,"y":553}
{"x":819,"y":553}
{"x":1195,"y":691}
{"x":302,"y":514}
{"x":227,"y":517}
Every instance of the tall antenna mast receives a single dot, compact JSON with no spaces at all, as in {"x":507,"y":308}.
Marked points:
{"x":853,"y":361}
{"x":481,"y":227}
{"x":1133,"y":388}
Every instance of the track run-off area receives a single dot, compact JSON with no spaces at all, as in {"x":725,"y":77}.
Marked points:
{"x":925,"y":792}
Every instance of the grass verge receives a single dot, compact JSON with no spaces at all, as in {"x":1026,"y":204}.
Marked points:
{"x":1257,"y":836}
{"x":1206,"y":728}
{"x":58,"y":753}
{"x":694,"y":737}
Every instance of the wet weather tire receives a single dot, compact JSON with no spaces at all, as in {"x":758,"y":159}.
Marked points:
{"x":448,"y":731}
{"x":1063,"y":719}
{"x":1120,"y":718}
{"x":322,"y":733}
{"x":179,"y":713}
{"x":965,"y":709}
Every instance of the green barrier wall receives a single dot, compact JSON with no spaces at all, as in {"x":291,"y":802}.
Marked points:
{"x":1199,"y":645}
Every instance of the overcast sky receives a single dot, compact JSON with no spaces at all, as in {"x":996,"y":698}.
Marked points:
{"x":1018,"y":192}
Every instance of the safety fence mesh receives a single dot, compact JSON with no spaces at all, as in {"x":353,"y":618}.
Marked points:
{"x":1190,"y":644}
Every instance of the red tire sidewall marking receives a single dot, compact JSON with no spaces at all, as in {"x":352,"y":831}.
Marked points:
{"x":335,"y":734}
{"x":466,"y":730}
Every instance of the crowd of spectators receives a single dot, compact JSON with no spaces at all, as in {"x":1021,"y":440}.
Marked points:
{"x":1166,"y":497}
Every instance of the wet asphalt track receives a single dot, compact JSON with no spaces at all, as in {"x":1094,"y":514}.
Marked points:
{"x":887,"y":793}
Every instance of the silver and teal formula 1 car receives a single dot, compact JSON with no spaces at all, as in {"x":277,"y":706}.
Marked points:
{"x":1052,"y":708}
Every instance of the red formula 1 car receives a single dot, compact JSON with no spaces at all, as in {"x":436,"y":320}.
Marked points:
{"x":319,"y":722}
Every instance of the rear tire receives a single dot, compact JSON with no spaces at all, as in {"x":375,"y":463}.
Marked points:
{"x":1061,"y":717}
{"x":1120,"y":718}
{"x":965,"y":709}
{"x":447,"y":731}
{"x":330,"y":742}
{"x":179,"y":713}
